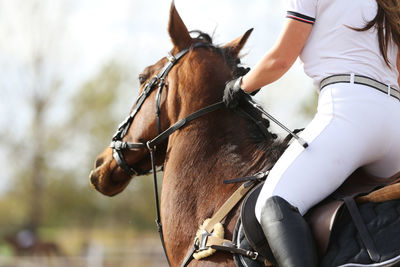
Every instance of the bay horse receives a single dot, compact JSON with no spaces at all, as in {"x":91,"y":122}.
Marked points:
{"x":197,"y":158}
{"x":198,"y":149}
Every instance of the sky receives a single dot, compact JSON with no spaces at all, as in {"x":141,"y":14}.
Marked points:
{"x":92,"y":32}
{"x":95,"y":31}
{"x":137,"y":31}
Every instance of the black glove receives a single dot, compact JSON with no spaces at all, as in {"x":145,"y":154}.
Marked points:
{"x":233,"y":93}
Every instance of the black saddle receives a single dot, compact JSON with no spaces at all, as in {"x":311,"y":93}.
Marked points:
{"x":346,"y":246}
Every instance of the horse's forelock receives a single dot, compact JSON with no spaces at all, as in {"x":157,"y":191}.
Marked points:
{"x":233,"y":62}
{"x":201,"y":36}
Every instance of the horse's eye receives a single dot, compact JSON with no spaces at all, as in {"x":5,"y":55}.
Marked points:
{"x":142,"y":79}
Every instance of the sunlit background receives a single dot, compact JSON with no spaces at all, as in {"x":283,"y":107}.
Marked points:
{"x":68,"y":76}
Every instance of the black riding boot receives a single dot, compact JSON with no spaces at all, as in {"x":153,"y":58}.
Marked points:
{"x":288,"y":234}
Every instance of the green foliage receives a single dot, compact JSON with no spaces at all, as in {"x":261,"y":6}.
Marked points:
{"x":95,"y":100}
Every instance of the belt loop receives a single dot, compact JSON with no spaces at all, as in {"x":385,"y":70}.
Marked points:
{"x":389,"y":90}
{"x":352,"y":75}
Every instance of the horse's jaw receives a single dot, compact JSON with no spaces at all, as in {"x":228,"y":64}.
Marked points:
{"x":107,"y":177}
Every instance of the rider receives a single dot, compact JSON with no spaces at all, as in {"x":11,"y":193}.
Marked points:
{"x":350,"y":49}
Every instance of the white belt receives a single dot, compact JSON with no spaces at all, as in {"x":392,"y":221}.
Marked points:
{"x":358,"y":79}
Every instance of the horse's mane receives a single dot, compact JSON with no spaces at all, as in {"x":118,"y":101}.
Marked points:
{"x":260,"y":136}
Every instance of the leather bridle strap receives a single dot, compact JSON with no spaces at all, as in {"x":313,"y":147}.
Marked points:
{"x":181,"y":123}
{"x":132,"y":169}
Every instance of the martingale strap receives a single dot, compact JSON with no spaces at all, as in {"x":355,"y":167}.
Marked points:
{"x":223,"y":211}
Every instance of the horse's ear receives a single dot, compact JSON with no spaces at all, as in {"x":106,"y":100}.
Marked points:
{"x":177,"y":30}
{"x":236,"y":45}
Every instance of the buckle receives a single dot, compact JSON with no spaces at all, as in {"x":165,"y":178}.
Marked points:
{"x":171,"y":58}
{"x":150,"y":146}
{"x":118,"y":145}
{"x":201,"y":244}
{"x":261,"y":175}
{"x":252,"y":255}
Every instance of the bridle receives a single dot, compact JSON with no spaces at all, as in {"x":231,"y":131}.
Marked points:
{"x":118,"y":145}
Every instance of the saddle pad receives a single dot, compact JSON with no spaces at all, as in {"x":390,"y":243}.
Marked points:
{"x":240,"y":240}
{"x":251,"y":227}
{"x":383,"y":223}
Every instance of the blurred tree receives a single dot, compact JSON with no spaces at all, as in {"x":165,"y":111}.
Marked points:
{"x":37,"y":88}
{"x":54,"y":139}
{"x":93,"y":118}
{"x":68,"y":151}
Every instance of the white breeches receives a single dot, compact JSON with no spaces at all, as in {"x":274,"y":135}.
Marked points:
{"x":355,"y":126}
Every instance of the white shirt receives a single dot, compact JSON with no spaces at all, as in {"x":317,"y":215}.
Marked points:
{"x":333,"y":48}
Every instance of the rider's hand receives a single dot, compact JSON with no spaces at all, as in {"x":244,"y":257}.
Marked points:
{"x":233,"y":93}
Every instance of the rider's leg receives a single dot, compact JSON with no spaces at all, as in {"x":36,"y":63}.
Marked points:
{"x":388,"y":165}
{"x":293,"y":243}
{"x":342,"y":137}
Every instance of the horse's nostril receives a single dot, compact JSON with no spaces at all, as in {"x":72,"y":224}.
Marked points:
{"x":99,"y":162}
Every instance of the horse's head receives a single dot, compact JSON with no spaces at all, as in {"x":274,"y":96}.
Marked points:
{"x":166,"y":88}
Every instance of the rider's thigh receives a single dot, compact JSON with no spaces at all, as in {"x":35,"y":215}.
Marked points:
{"x":387,"y":164}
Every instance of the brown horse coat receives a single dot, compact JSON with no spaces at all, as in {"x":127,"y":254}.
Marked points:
{"x":218,"y":146}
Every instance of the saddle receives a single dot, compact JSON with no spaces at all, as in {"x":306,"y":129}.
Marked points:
{"x":358,"y":225}
{"x":339,"y":211}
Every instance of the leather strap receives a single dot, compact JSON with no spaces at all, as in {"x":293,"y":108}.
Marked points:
{"x":229,"y":204}
{"x":158,"y":213}
{"x":362,"y":229}
{"x":227,"y":245}
{"x":131,"y":169}
{"x":359,"y":79}
{"x":260,"y":176}
{"x":222,"y":212}
{"x":189,"y":256}
{"x":179,"y":124}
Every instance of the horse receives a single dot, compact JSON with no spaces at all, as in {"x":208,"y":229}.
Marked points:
{"x":199,"y":142}
{"x":25,"y":243}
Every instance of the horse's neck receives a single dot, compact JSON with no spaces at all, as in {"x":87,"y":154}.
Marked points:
{"x":207,"y":153}
{"x":199,"y":158}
